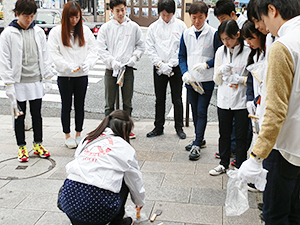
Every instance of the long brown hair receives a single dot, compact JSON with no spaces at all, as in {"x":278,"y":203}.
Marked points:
{"x":118,"y":121}
{"x":71,"y":9}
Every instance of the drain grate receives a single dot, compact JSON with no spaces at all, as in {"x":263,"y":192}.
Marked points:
{"x":21,"y":167}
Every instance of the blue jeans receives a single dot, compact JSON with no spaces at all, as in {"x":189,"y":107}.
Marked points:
{"x":281,"y":196}
{"x":200,"y":105}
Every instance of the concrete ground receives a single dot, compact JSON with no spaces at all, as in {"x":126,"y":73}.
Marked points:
{"x":181,"y":188}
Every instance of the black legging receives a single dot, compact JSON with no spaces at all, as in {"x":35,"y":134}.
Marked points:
{"x":69,"y":86}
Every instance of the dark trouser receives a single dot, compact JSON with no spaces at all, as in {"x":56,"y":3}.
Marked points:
{"x":37,"y":123}
{"x":160,"y":86}
{"x":281,"y":195}
{"x":69,"y":86}
{"x":117,"y":220}
{"x":111,"y":90}
{"x":241,"y":130}
{"x":123,"y":195}
{"x":249,"y":137}
{"x":200,"y":105}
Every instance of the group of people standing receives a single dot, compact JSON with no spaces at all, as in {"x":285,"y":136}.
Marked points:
{"x":253,"y":77}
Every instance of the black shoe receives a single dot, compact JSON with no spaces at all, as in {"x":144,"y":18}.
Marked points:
{"x":189,"y":147}
{"x":154,"y":133}
{"x":260,"y":206}
{"x":181,"y":134}
{"x":127,"y":221}
{"x":195,"y":153}
{"x":261,"y":217}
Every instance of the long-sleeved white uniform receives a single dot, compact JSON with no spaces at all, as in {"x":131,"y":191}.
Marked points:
{"x":105,"y":164}
{"x":11,"y":47}
{"x":64,"y":56}
{"x":163,"y":41}
{"x":120,"y":41}
{"x":230,"y":97}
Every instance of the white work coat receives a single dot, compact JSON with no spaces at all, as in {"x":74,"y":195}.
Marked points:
{"x":163,"y":39}
{"x":200,"y":50}
{"x":11,"y":47}
{"x":120,"y":41}
{"x":105,"y":164}
{"x":64,"y":56}
{"x":231,"y":97}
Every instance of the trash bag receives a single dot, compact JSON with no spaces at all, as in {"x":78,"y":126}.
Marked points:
{"x":237,"y":195}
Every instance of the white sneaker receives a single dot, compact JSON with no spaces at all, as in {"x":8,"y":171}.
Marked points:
{"x":218,"y":170}
{"x":78,"y":139}
{"x":70,"y":143}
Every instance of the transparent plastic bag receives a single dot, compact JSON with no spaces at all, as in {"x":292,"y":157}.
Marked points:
{"x":131,"y":211}
{"x":237,"y":195}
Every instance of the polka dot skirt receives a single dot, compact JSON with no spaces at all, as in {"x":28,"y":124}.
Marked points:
{"x":88,"y":203}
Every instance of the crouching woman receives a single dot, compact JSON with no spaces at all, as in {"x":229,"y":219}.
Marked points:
{"x":104,"y":171}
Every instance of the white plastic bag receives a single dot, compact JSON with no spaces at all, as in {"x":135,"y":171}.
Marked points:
{"x":237,"y":195}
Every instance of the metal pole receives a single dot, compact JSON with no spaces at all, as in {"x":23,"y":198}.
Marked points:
{"x":187,"y":111}
{"x":118,"y":98}
{"x":95,"y":10}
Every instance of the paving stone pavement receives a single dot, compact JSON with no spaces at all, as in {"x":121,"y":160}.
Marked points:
{"x":182,"y":189}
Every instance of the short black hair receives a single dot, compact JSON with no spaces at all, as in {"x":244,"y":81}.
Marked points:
{"x":287,"y":8}
{"x":224,"y":7}
{"x":252,"y":11}
{"x":114,"y":3}
{"x":26,"y":7}
{"x":231,"y":28}
{"x":198,"y":7}
{"x":168,"y":5}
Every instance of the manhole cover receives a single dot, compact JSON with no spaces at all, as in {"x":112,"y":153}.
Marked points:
{"x":12,"y":169}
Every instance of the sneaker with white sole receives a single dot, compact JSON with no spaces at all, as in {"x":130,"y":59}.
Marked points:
{"x":217,"y":170}
{"x":78,"y":139}
{"x":70,"y":143}
{"x":132,"y":136}
{"x":195,"y":153}
{"x":23,"y":154}
{"x":39,"y":150}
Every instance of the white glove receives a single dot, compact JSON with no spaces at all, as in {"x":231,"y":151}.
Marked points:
{"x":235,"y":79}
{"x":131,"y":62}
{"x":251,"y":107}
{"x":165,"y":68}
{"x":85,"y":68}
{"x":187,"y":78}
{"x":48,"y":85}
{"x":225,"y":68}
{"x":11,"y":94}
{"x":74,"y":68}
{"x":158,"y":71}
{"x":115,"y":73}
{"x":252,"y":171}
{"x":200,"y":67}
{"x":116,"y":65}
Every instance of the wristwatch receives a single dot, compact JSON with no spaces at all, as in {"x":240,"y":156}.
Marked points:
{"x":256,"y":157}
